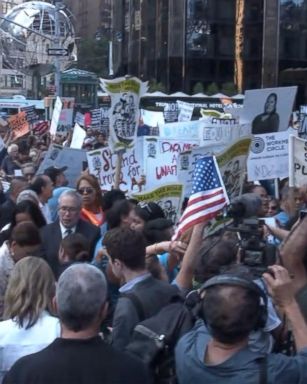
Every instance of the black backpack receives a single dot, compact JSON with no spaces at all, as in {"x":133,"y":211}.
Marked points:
{"x":154,"y":339}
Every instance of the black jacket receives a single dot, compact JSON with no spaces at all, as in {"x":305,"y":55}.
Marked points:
{"x":51,"y":239}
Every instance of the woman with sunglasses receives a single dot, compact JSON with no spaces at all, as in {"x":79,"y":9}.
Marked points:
{"x":88,"y":187}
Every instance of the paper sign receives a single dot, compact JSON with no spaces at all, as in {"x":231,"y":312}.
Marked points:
{"x":297,"y":162}
{"x":78,"y":137}
{"x":160,"y":159}
{"x":217,"y":131}
{"x":102,"y":164}
{"x":19,"y":125}
{"x":185,"y":111}
{"x":169,"y":198}
{"x":268,"y":157}
{"x":56,"y":116}
{"x":124,"y":111}
{"x":269,"y":109}
{"x":181,"y":131}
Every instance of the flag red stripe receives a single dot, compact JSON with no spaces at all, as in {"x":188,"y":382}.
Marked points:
{"x":202,"y":208}
{"x":198,"y":220}
{"x":204,"y":197}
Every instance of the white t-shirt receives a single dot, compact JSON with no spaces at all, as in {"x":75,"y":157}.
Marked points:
{"x":16,"y":342}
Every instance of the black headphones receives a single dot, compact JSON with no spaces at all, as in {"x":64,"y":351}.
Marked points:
{"x":228,"y":279}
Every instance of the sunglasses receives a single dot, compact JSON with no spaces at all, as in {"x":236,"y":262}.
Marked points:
{"x":87,"y":190}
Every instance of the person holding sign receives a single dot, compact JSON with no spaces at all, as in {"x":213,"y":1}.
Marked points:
{"x":268,"y":121}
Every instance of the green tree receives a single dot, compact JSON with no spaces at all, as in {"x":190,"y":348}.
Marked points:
{"x":229,"y":89}
{"x":212,"y":89}
{"x":93,"y":56}
{"x":198,"y":88}
{"x":154,"y":86}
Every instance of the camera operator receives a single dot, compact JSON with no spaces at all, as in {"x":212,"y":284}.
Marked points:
{"x":293,"y":253}
{"x":232,"y":307}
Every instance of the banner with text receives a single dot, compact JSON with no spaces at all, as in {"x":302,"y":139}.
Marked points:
{"x":297,"y":161}
{"x":268,"y":157}
{"x":160,"y":159}
{"x":19,"y":125}
{"x":102,"y":164}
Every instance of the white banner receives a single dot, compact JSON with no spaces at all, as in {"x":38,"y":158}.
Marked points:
{"x":218,"y":131}
{"x":297,"y":162}
{"x":66,"y":115}
{"x":181,"y":131}
{"x":56,"y":116}
{"x":268,"y":157}
{"x":78,"y":137}
{"x":185,"y":111}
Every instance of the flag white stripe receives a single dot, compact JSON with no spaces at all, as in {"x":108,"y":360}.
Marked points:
{"x":201,"y":213}
{"x":202,"y":203}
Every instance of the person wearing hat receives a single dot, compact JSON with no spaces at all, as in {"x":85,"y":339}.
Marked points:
{"x":59,"y":186}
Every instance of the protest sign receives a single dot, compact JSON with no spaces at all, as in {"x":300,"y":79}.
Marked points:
{"x":185,"y":111}
{"x":231,"y":162}
{"x":168,"y":196}
{"x":56,"y":116}
{"x":73,"y":159}
{"x":31,"y":114}
{"x":102,"y":164}
{"x":66,"y":115}
{"x":269,"y":109}
{"x":41,"y":127}
{"x":268,"y":157}
{"x":77,"y":137}
{"x":232,"y":166}
{"x":302,"y":132}
{"x":217,"y":131}
{"x":297,"y":161}
{"x":95,"y":118}
{"x":2,"y":145}
{"x":79,"y":119}
{"x":185,"y":166}
{"x":18,"y":125}
{"x":160,"y":159}
{"x":181,"y":131}
{"x":152,"y":118}
{"x":125,"y":94}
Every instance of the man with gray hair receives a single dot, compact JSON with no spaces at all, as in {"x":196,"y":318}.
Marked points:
{"x":11,"y":162}
{"x":69,"y":222}
{"x":80,"y":356}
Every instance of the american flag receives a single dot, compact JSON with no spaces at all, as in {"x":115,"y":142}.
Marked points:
{"x":208,"y":196}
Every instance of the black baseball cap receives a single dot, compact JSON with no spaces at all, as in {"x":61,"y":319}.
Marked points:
{"x":53,"y":172}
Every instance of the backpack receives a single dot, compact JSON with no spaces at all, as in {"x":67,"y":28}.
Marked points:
{"x":154,"y":339}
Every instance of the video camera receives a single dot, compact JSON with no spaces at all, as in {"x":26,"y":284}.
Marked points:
{"x":255,"y":252}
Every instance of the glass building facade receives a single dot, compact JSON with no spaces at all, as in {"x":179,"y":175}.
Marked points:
{"x":179,"y":43}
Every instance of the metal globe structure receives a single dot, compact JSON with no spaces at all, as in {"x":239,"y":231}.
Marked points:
{"x":29,"y":30}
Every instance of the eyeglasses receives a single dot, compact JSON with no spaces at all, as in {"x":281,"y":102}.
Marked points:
{"x":68,"y":209}
{"x":84,"y":190}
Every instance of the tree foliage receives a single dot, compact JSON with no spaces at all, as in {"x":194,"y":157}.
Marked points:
{"x":93,"y":56}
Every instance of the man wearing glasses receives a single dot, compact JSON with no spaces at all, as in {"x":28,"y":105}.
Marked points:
{"x":69,"y":222}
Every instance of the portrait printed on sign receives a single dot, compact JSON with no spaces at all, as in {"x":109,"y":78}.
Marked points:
{"x":269,"y":110}
{"x":124,"y":111}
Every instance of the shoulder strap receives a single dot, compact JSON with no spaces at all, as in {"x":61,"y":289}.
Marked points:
{"x":263,"y":371}
{"x":137,"y":304}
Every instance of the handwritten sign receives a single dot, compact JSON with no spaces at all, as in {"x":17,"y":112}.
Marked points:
{"x":297,"y":162}
{"x":160,"y":159}
{"x":19,"y":125}
{"x":102,"y":164}
{"x":268,"y":157}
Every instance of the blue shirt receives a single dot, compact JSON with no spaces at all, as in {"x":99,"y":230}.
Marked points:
{"x":241,"y":368}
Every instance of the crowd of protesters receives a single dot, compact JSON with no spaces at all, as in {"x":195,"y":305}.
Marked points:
{"x":81,"y":271}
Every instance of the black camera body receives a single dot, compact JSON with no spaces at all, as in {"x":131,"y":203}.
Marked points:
{"x":255,"y":252}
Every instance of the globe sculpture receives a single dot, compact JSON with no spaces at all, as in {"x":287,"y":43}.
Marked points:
{"x":28,"y":34}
